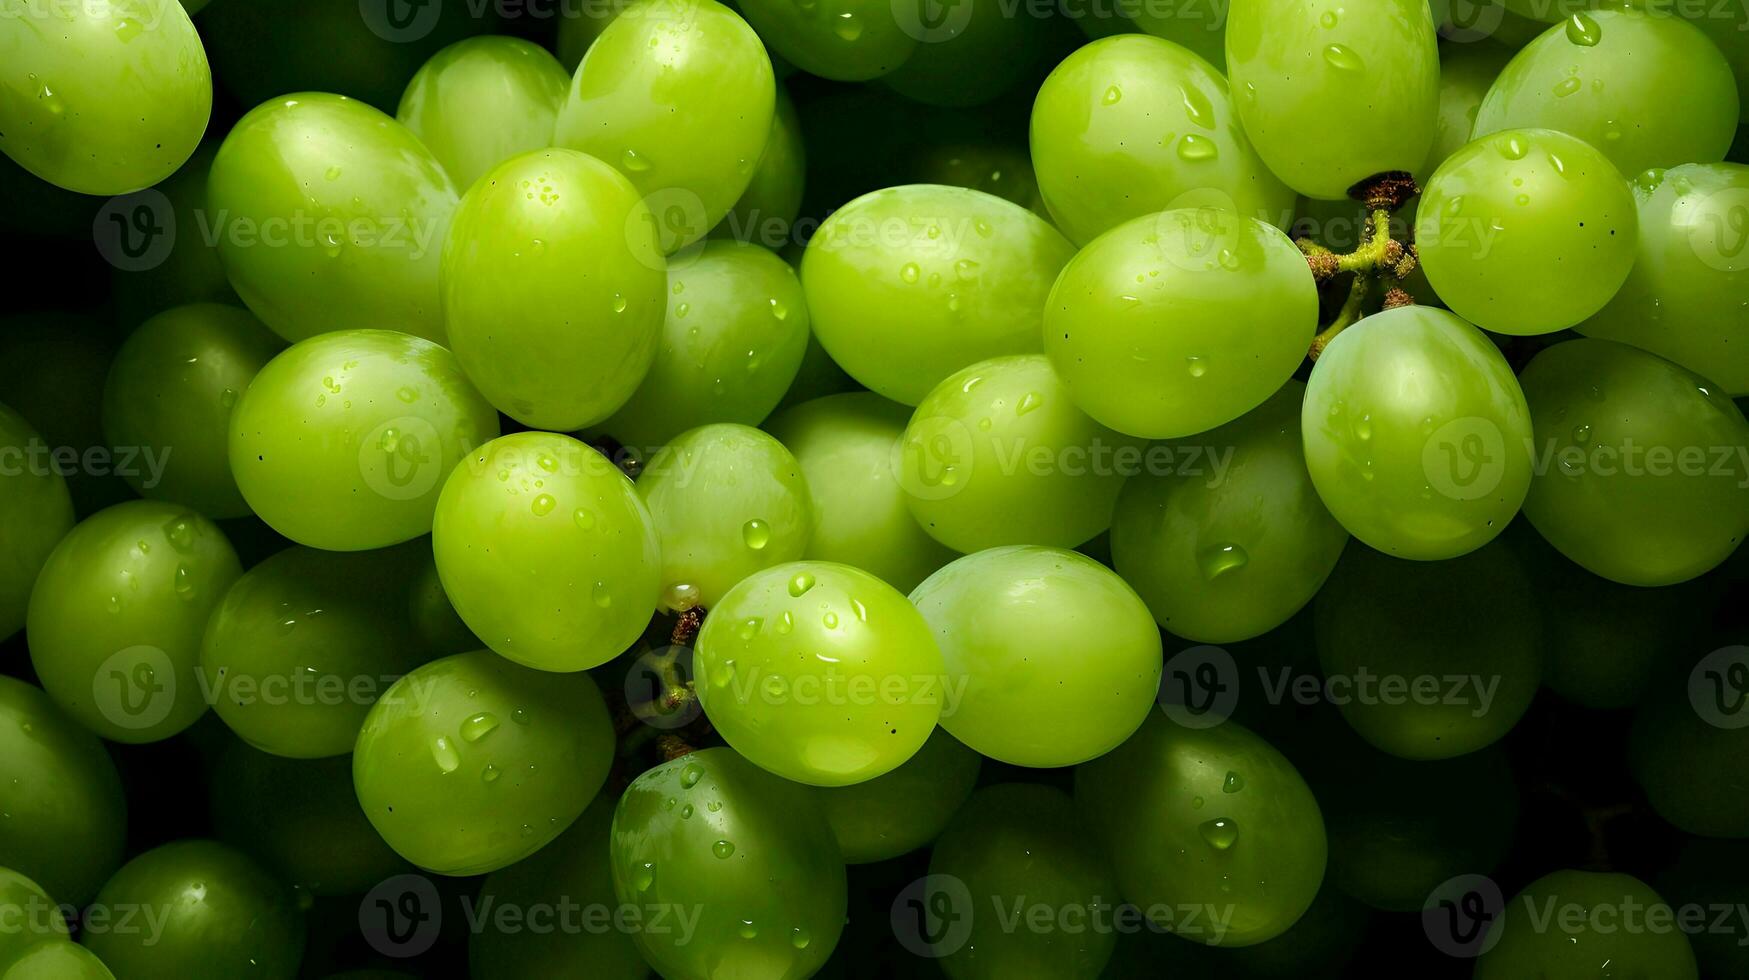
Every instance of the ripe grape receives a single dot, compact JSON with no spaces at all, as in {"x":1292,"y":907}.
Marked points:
{"x":35,"y":513}
{"x":844,"y":40}
{"x":1576,"y":923}
{"x":905,"y":809}
{"x":482,"y":101}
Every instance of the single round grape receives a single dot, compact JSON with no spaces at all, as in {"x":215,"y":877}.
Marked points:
{"x":116,"y":618}
{"x":102,"y":98}
{"x":36,"y":511}
{"x":663,"y":57}
{"x":820,"y":673}
{"x":1415,"y":433}
{"x":482,"y":101}
{"x":1645,"y":88}
{"x":905,"y":809}
{"x":843,"y":40}
{"x":547,"y":551}
{"x":1331,"y":96}
{"x":1211,"y":817}
{"x":472,"y":763}
{"x":1429,"y":661}
{"x":341,"y":441}
{"x":1683,"y":747}
{"x":331,"y":216}
{"x":1055,"y":659}
{"x":1601,"y":923}
{"x":844,"y":444}
{"x":58,"y":961}
{"x":553,"y":288}
{"x":192,"y":271}
{"x":1640,"y":463}
{"x":726,"y":501}
{"x":67,"y":815}
{"x":999,"y":454}
{"x":732,"y":340}
{"x":1228,"y":539}
{"x":32,"y":916}
{"x":1466,"y":71}
{"x":1201,"y":27}
{"x":970,"y":58}
{"x":1132,"y":125}
{"x":766,"y":213}
{"x":1019,"y":844}
{"x":169,"y":397}
{"x":1141,"y":325}
{"x":909,"y":284}
{"x":1684,"y":298}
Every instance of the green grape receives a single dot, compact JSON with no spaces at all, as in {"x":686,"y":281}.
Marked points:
{"x":1019,"y":844}
{"x":905,"y":809}
{"x":1640,"y":463}
{"x":330,"y":215}
{"x":300,"y":819}
{"x":969,"y":57}
{"x":553,"y":288}
{"x":1466,"y":71}
{"x":726,"y":501}
{"x":1601,"y":925}
{"x":1712,"y":874}
{"x":116,"y":618}
{"x":482,"y":101}
{"x":547,"y":551}
{"x":817,"y":377}
{"x":304,"y":643}
{"x":1331,"y":97}
{"x":843,"y":40}
{"x":732,"y":340}
{"x":994,"y":167}
{"x":1726,"y":25}
{"x":1615,"y":79}
{"x":1201,"y":27}
{"x":844,"y":444}
{"x":1415,"y":433}
{"x":999,"y":454}
{"x":58,"y":961}
{"x":1228,"y":554}
{"x":341,"y":441}
{"x":910,"y":284}
{"x":472,"y":763}
{"x":102,"y":98}
{"x":579,"y":27}
{"x":1429,"y":661}
{"x":219,"y":915}
{"x":1684,"y":298}
{"x":572,"y":876}
{"x":1132,"y":125}
{"x":660,"y":58}
{"x":1214,"y":818}
{"x":1684,"y":752}
{"x":35,"y":513}
{"x":749,"y":855}
{"x":191,"y":271}
{"x":30,"y":916}
{"x":1055,"y":659}
{"x":820,"y":673}
{"x":169,"y":396}
{"x":1146,"y":312}
{"x":50,"y":366}
{"x":67,"y":815}
{"x":766,"y":213}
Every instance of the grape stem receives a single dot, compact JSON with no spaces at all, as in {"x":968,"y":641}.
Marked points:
{"x":1379,"y":257}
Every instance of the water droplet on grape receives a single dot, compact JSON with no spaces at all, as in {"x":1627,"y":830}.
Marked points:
{"x":1342,"y":58}
{"x":448,"y":759}
{"x":1220,"y":559}
{"x":756,"y":534}
{"x":1233,"y":783}
{"x":800,"y":584}
{"x":722,"y":849}
{"x":1221,"y":833}
{"x":1583,"y":31}
{"x":479,"y":726}
{"x":1112,"y":95}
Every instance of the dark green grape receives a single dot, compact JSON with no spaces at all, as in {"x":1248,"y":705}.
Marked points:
{"x":1714,"y":875}
{"x":971,"y":57}
{"x":36,"y":511}
{"x":191,"y":272}
{"x":1686,"y":746}
{"x":905,"y":809}
{"x":28,"y":917}
{"x":59,"y":403}
{"x":1587,"y":924}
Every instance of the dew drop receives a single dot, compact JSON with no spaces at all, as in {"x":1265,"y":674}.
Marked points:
{"x":1328,"y":19}
{"x":1194,"y":148}
{"x":848,"y":26}
{"x":800,"y":584}
{"x":489,"y":774}
{"x":619,"y":303}
{"x":583,"y":518}
{"x":722,"y":849}
{"x":603,"y":597}
{"x":633,"y":162}
{"x":690,"y":775}
{"x":479,"y":726}
{"x":1112,"y":95}
{"x":1221,"y":833}
{"x":909,"y":272}
{"x":1028,"y":403}
{"x":1567,"y":86}
{"x":1220,"y":559}
{"x":1233,"y":783}
{"x":1583,"y":31}
{"x":1342,"y":58}
{"x":184,"y":583}
{"x":448,"y":759}
{"x":543,"y":505}
{"x":1195,"y":366}
{"x":1512,"y":148}
{"x":756,"y":534}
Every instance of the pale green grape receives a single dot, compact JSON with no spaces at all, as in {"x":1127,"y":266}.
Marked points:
{"x":1201,"y":27}
{"x":1131,"y":125}
{"x":330,"y":216}
{"x":768,"y":207}
{"x":968,"y":57}
{"x":1175,"y":323}
{"x":1055,"y":659}
{"x":35,"y":513}
{"x":1331,"y":96}
{"x":1415,"y":433}
{"x":1586,"y":923}
{"x":909,"y":284}
{"x":482,"y":101}
{"x":1466,"y":71}
{"x":844,"y":40}
{"x":820,"y":673}
{"x":905,"y":809}
{"x":1227,"y":539}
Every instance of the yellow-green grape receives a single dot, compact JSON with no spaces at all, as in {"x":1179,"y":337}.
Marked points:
{"x":969,"y":57}
{"x":169,"y":397}
{"x":844,"y":444}
{"x":1466,"y":71}
{"x":57,"y":961}
{"x":1602,"y":924}
{"x":999,"y":454}
{"x":993,"y":167}
{"x":768,"y":207}
{"x":844,"y":40}
{"x":678,"y":94}
{"x":331,"y":215}
{"x":553,"y":288}
{"x":820,"y":673}
{"x":191,"y":271}
{"x":1332,"y":95}
{"x":1132,"y":125}
{"x":117,"y":614}
{"x":36,"y":511}
{"x":1640,"y":463}
{"x":1174,"y":323}
{"x":482,"y":101}
{"x":732,"y":340}
{"x":1646,"y":89}
{"x":1684,"y":299}
{"x":547,"y":551}
{"x":472,"y":763}
{"x":1227,"y":539}
{"x":102,"y":98}
{"x":341,"y":441}
{"x":726,"y":500}
{"x":1201,"y":27}
{"x":905,"y":809}
{"x":1055,"y":659}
